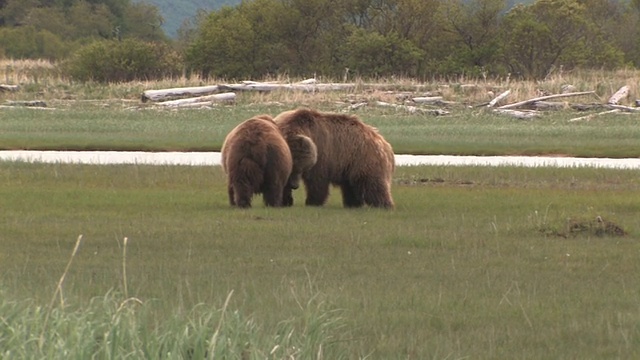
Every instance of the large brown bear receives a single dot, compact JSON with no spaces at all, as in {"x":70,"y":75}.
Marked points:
{"x":257,"y":159}
{"x":350,"y":154}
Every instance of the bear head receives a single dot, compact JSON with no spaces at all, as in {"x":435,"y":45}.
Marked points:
{"x":304,"y":154}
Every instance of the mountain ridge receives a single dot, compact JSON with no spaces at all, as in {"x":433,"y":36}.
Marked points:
{"x":175,"y":12}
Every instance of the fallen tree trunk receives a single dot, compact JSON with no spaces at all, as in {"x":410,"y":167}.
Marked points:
{"x":526,"y":102}
{"x":201,"y":100}
{"x":498,"y":98}
{"x":9,"y":87}
{"x":591,"y":116}
{"x":427,"y":99}
{"x":623,"y":92}
{"x":33,"y":103}
{"x":27,"y":107}
{"x":413,"y":109}
{"x":549,"y":105}
{"x":624,"y":108}
{"x":304,"y":87}
{"x":519,"y":114}
{"x":158,"y":95}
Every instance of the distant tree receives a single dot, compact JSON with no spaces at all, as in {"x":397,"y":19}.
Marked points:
{"x":313,"y":32}
{"x":188,"y":31}
{"x":553,"y":33}
{"x":474,"y":26}
{"x":75,"y":22}
{"x":14,"y":11}
{"x":141,"y":21}
{"x":298,"y":37}
{"x":373,"y":55}
{"x":629,"y":39}
{"x":224,"y":45}
{"x":27,"y":42}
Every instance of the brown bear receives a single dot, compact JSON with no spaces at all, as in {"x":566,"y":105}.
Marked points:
{"x":257,"y":159}
{"x":350,"y":154}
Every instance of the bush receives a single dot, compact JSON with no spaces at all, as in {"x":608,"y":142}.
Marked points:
{"x":122,"y":61}
{"x":27,"y":42}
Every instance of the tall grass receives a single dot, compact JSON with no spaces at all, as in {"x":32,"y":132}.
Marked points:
{"x":474,"y":262}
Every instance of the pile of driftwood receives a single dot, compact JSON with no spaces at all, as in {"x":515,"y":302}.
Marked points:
{"x":431,"y":105}
{"x":542,"y":103}
{"x":205,"y":96}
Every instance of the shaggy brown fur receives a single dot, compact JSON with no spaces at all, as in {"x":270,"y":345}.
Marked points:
{"x":304,"y":154}
{"x":256,"y":159}
{"x":350,"y":154}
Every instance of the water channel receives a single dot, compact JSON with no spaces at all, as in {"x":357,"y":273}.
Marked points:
{"x":213,"y":158}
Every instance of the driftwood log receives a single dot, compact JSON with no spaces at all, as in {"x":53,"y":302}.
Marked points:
{"x":308,"y":85}
{"x":622,"y":93}
{"x":412,"y":109}
{"x":624,"y":108}
{"x":518,"y":114}
{"x":200,"y":100}
{"x":531,"y":101}
{"x":158,"y":95}
{"x":498,"y":98}
{"x":33,"y":103}
{"x":427,"y":99}
{"x":4,"y":87}
{"x":549,"y":105}
{"x":591,"y":116}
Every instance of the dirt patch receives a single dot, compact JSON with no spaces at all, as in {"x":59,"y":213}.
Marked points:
{"x":595,"y":227}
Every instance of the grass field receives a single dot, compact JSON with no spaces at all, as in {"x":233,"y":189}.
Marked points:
{"x":132,"y":261}
{"x":475,"y":262}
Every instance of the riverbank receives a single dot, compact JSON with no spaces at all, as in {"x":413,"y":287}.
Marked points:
{"x":213,"y":158}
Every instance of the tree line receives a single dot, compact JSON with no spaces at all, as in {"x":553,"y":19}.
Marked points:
{"x":334,"y":38}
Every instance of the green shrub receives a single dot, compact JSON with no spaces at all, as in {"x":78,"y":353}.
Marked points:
{"x":28,"y":42}
{"x":120,"y":61}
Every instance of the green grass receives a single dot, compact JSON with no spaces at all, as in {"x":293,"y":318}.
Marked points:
{"x":92,"y":126}
{"x":475,"y":262}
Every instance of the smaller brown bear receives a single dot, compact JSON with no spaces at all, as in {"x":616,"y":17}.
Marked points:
{"x":257,"y":159}
{"x":350,"y":154}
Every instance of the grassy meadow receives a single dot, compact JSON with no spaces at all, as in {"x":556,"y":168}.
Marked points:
{"x":466,"y":131}
{"x":134,"y":261}
{"x":474,"y":262}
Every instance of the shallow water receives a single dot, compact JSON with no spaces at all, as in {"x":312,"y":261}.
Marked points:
{"x":213,"y":158}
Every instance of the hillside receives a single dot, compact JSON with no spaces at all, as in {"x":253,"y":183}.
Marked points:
{"x":175,"y":12}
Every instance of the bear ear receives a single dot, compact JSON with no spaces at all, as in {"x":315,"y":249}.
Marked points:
{"x":304,"y":151}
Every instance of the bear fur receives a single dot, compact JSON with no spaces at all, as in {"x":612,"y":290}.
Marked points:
{"x":256,"y":159}
{"x":304,"y":154}
{"x":350,"y":154}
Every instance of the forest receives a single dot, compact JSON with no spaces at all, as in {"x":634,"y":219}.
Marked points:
{"x":119,"y":40}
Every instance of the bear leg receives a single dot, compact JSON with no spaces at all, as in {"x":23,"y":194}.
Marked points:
{"x":377,"y":193}
{"x":351,"y":197}
{"x":287,"y":196}
{"x":232,"y":200}
{"x":317,"y":192}
{"x":272,"y":196}
{"x":242,"y":196}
